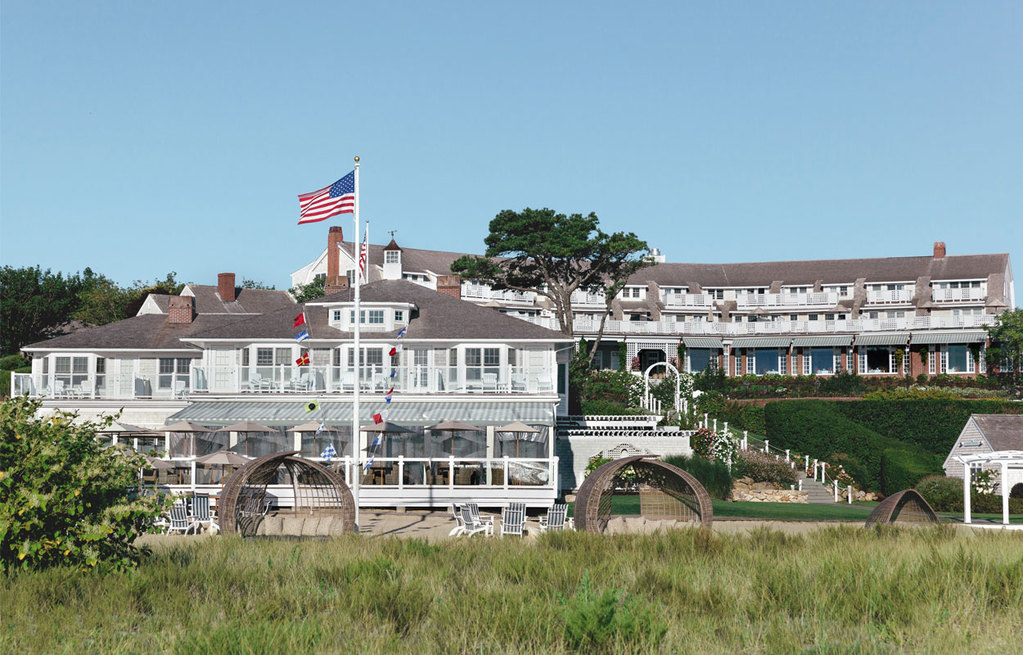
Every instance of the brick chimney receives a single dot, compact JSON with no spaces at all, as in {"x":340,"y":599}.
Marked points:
{"x":181,"y":309}
{"x":939,"y":249}
{"x":335,"y":282}
{"x":450,"y":285}
{"x":225,"y":286}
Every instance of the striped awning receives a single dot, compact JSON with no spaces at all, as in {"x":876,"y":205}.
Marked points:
{"x":702,"y":342}
{"x":281,"y":413}
{"x":823,"y":341}
{"x":762,"y":342}
{"x":883,"y":339}
{"x":925,"y":338}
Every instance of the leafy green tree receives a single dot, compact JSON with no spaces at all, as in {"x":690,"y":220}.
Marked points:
{"x":101,"y":300}
{"x":65,"y":500}
{"x":34,"y":305}
{"x":553,"y":255}
{"x":1006,"y":350}
{"x":256,"y":284}
{"x":311,"y":291}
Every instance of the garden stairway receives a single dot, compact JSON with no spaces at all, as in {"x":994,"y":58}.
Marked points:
{"x":817,"y":493}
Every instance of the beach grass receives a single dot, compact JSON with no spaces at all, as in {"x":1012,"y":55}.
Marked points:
{"x":834,"y":590}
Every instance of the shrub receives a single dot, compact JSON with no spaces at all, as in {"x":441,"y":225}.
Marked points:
{"x":1016,"y":491}
{"x":944,"y":494}
{"x":608,"y":408}
{"x":761,"y":467}
{"x":619,"y":387}
{"x":595,"y":622}
{"x":64,"y":499}
{"x":714,"y":476}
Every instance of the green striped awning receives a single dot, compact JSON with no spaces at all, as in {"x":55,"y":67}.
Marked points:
{"x":883,"y":339}
{"x":702,"y":342}
{"x":823,"y":341}
{"x":926,"y":338}
{"x":280,"y":413}
{"x":762,"y":342}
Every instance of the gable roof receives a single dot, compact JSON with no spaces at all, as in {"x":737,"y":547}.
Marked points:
{"x":146,"y":332}
{"x":1002,"y":431}
{"x":440,"y":316}
{"x":247,"y":301}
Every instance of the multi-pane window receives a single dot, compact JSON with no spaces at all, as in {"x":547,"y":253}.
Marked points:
{"x":375,"y":316}
{"x":101,"y":374}
{"x":399,"y":316}
{"x":173,"y":373}
{"x":71,"y":373}
{"x":391,"y":256}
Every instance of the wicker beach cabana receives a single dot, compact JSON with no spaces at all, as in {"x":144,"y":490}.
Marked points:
{"x":666,"y":493}
{"x":906,"y":506}
{"x":322,"y":503}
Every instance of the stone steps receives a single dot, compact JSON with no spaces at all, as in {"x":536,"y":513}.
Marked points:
{"x":816,"y":493}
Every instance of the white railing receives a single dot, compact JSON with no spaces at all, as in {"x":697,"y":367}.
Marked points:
{"x":886,"y":297}
{"x":815,"y":299}
{"x":373,"y":379}
{"x":586,"y":298}
{"x":483,"y":292}
{"x":970,"y":294}
{"x":101,"y":387}
{"x":687,"y":299}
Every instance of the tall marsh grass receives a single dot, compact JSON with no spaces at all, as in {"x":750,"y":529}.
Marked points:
{"x":834,"y":590}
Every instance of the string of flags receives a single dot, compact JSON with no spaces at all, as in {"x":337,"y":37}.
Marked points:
{"x":382,"y":415}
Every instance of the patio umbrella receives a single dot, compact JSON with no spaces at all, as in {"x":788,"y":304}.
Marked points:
{"x":517,"y":429}
{"x":384,"y":427}
{"x":158,"y":464}
{"x":314,"y":427}
{"x":452,"y":427}
{"x":188,"y":427}
{"x":118,"y":427}
{"x":247,"y":427}
{"x":223,"y":458}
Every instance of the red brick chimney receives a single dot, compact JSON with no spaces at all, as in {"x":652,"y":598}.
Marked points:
{"x":939,"y":249}
{"x":225,"y":286}
{"x":335,"y":282}
{"x":450,"y":285}
{"x":180,"y":309}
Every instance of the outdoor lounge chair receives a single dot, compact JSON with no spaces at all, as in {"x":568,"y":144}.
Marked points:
{"x":472,"y":526}
{"x":202,"y":514}
{"x":488,"y":521}
{"x":459,"y":523}
{"x":513,"y":519}
{"x":556,"y":519}
{"x":181,"y":522}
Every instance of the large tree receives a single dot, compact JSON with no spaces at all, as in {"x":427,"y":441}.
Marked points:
{"x":553,"y":255}
{"x":34,"y":305}
{"x":1006,"y":351}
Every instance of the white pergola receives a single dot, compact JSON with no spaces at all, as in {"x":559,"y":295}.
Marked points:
{"x":1006,"y":460}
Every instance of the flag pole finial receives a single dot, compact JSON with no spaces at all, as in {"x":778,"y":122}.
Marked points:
{"x":356,"y":159}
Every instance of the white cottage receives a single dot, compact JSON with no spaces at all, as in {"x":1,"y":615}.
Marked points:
{"x":984,"y":434}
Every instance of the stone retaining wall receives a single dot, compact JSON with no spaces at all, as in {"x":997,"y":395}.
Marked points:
{"x":771,"y":495}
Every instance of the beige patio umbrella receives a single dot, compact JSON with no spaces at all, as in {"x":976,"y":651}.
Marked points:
{"x":314,"y":427}
{"x":247,"y":427}
{"x":156,"y":465}
{"x":517,"y":428}
{"x":452,"y":427}
{"x":384,"y":427}
{"x":187,"y":427}
{"x":222,"y":458}
{"x":119,"y":427}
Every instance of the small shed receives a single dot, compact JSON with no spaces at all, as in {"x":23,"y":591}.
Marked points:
{"x":984,"y":434}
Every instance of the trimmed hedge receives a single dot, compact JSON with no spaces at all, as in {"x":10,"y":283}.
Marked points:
{"x":903,"y":469}
{"x":713,"y":475}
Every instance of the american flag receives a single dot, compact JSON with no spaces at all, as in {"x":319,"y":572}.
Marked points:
{"x":338,"y":198}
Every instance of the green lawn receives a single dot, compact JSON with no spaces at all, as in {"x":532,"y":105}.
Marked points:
{"x":629,"y":505}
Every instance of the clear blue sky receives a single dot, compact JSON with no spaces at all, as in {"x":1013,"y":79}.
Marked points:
{"x":144,"y":137}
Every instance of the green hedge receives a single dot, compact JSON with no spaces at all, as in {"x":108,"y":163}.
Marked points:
{"x":713,"y":475}
{"x":903,"y":469}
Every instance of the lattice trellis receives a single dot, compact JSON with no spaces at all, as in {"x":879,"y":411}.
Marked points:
{"x":666,"y":492}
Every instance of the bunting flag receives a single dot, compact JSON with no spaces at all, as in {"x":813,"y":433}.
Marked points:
{"x":302,"y":336}
{"x":394,"y":350}
{"x":369,"y":462}
{"x":299,"y":320}
{"x":378,"y":419}
{"x":321,"y":429}
{"x":328,"y":453}
{"x":312,"y":406}
{"x":303,"y":360}
{"x":402,"y":331}
{"x":376,"y":440}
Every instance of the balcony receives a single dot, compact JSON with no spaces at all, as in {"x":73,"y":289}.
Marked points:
{"x":100,"y":387}
{"x":887,"y":297}
{"x":970,"y":294}
{"x":483,"y":292}
{"x":586,"y":298}
{"x":816,"y":299}
{"x":688,"y":300}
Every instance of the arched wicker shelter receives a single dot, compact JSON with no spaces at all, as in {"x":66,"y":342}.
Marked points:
{"x":666,"y":492}
{"x":323,"y":504}
{"x":906,"y":506}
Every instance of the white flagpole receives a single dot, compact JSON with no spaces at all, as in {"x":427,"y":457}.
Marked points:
{"x":356,"y":357}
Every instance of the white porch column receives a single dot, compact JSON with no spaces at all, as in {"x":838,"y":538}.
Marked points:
{"x":1005,"y":493}
{"x":967,"y":473}
{"x":490,"y":454}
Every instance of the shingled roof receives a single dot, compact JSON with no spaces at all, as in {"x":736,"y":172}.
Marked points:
{"x":827,"y":271}
{"x":247,"y":301}
{"x":440,"y":316}
{"x":146,"y":332}
{"x":1002,"y":431}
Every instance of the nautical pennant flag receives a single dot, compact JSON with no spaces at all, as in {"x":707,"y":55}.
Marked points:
{"x":369,"y":463}
{"x":302,"y":336}
{"x":394,"y":372}
{"x":312,"y":406}
{"x":299,"y":320}
{"x":402,"y":331}
{"x":303,"y":360}
{"x":376,"y":441}
{"x":390,"y":391}
{"x":328,"y":452}
{"x":338,"y":198}
{"x":321,"y":429}
{"x":394,"y":350}
{"x":387,"y":399}
{"x":377,"y":418}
